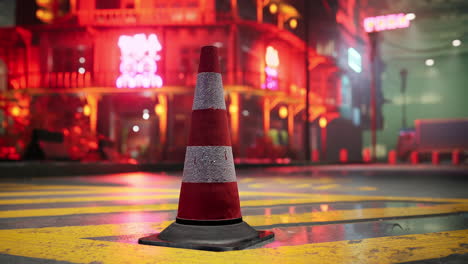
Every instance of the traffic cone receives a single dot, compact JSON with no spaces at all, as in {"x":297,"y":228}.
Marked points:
{"x":209,"y":215}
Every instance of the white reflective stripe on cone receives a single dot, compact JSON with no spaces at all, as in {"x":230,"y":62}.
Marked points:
{"x":209,"y":92}
{"x":209,"y":164}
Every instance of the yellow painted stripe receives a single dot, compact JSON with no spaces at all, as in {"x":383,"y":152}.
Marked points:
{"x":125,"y":197}
{"x":315,"y":197}
{"x":65,"y":244}
{"x":367,"y":188}
{"x":327,"y":187}
{"x":69,"y":188}
{"x":130,"y":198}
{"x":299,"y":186}
{"x":140,"y":190}
{"x":356,"y":214}
{"x":85,"y":210}
{"x":246,"y":180}
{"x":80,"y":189}
{"x":376,"y":212}
{"x":257,"y":185}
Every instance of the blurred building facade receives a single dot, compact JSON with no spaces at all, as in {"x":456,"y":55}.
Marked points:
{"x":125,"y":70}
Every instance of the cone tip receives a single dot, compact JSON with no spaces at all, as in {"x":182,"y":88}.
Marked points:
{"x":209,"y":60}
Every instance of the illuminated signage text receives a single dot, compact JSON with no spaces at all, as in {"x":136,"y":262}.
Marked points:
{"x":271,"y":69}
{"x":387,"y":22}
{"x":138,"y":62}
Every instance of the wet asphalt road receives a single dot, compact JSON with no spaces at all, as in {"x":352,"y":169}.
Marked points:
{"x":331,"y":214}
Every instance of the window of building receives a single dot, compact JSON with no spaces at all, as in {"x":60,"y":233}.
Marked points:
{"x":72,"y":59}
{"x":189,"y":60}
{"x":114,"y":4}
{"x":108,"y":4}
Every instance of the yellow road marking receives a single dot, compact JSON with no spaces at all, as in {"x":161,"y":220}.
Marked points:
{"x":246,"y":180}
{"x":140,"y":190}
{"x":91,"y":191}
{"x":327,"y":187}
{"x":256,"y":185}
{"x":299,"y":186}
{"x":271,"y":202}
{"x":356,"y":214}
{"x":39,"y":188}
{"x":80,"y":189}
{"x":126,"y":197}
{"x":90,"y":199}
{"x":367,"y":188}
{"x":66,"y":244}
{"x":86,"y":210}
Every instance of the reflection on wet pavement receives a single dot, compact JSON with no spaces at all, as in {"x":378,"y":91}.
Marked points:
{"x":303,"y":211}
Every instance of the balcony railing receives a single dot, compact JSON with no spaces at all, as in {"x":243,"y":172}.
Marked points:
{"x":249,"y":80}
{"x":160,"y":16}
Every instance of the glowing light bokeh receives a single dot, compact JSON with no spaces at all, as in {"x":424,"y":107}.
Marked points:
{"x":283,"y":112}
{"x":135,"y":128}
{"x":15,"y":111}
{"x":87,"y":110}
{"x":271,"y":69}
{"x":293,"y":23}
{"x":388,"y":22}
{"x":273,"y":8}
{"x":429,"y":62}
{"x":159,"y":109}
{"x":323,"y":122}
{"x":410,"y":16}
{"x":138,"y":61}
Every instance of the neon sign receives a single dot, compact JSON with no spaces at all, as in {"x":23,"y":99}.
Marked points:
{"x":271,"y":69}
{"x":354,"y":60}
{"x":138,"y":61}
{"x":388,"y":22}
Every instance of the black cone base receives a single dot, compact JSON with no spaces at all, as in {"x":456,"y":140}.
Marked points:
{"x":211,"y":238}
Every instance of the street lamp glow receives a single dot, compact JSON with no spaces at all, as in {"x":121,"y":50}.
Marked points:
{"x":429,"y":62}
{"x":135,"y":128}
{"x":456,"y":42}
{"x":146,"y":116}
{"x":293,"y":23}
{"x":410,"y":16}
{"x":283,"y":112}
{"x":323,"y":122}
{"x":273,"y":8}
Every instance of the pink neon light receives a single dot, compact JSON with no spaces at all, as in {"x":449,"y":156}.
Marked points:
{"x":271,"y":70}
{"x":388,"y":22}
{"x":138,"y":67}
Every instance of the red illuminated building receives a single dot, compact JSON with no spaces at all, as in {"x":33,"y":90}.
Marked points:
{"x":126,"y":70}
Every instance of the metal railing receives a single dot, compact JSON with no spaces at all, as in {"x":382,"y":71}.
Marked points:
{"x":186,"y":15}
{"x":76,"y":80}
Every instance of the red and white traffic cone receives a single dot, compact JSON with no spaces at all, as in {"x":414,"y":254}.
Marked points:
{"x":209,"y":215}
